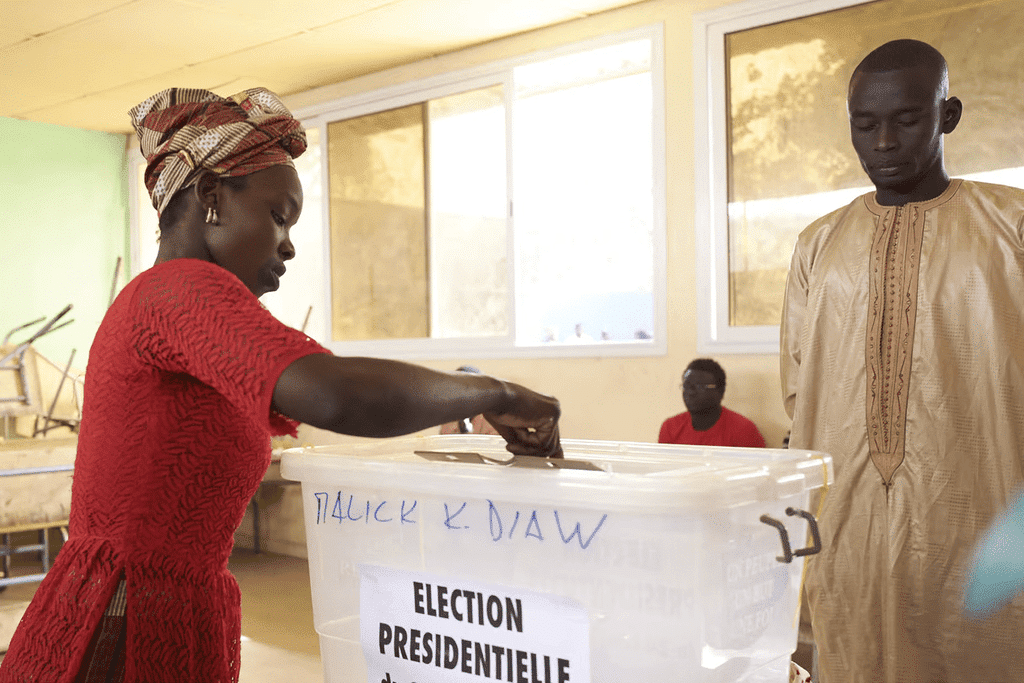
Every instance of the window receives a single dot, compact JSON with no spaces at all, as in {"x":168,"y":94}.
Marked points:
{"x":512,"y":210}
{"x":773,"y":146}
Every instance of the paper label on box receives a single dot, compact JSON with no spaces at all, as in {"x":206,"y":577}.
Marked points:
{"x":423,"y":628}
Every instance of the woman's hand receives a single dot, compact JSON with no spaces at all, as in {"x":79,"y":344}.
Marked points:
{"x":529,"y":423}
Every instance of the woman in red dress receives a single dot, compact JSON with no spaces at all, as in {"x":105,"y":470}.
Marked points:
{"x":188,"y":378}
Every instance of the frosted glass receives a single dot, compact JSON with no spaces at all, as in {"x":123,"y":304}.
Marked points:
{"x":378,"y":226}
{"x":468,"y":215}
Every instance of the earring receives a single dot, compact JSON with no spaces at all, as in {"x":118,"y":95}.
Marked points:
{"x":211,"y":216}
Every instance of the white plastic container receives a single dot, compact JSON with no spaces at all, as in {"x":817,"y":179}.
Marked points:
{"x":661,"y":564}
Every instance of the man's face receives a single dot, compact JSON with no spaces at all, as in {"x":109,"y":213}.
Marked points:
{"x":701,"y":392}
{"x":896,"y":120}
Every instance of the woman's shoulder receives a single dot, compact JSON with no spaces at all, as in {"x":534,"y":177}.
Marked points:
{"x":184,"y":268}
{"x":181,"y":292}
{"x":188,"y":278}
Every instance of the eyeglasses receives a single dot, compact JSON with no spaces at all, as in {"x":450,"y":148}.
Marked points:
{"x":700,"y":387}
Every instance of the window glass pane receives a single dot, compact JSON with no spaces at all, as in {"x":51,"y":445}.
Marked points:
{"x":468,"y":215}
{"x":780,"y":155}
{"x":378,"y":226}
{"x":583,"y":197}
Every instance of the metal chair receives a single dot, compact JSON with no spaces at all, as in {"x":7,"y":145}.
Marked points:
{"x":20,"y":393}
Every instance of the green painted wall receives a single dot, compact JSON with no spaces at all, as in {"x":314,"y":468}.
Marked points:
{"x":63,"y":224}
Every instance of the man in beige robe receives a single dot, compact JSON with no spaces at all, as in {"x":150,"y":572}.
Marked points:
{"x":903,"y":357}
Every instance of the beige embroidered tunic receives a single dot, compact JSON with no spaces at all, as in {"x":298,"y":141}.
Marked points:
{"x":903,"y":357}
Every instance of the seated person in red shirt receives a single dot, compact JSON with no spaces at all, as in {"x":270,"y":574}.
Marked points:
{"x":706,"y":422}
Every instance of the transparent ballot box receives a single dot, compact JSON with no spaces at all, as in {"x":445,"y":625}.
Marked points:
{"x":444,"y":558}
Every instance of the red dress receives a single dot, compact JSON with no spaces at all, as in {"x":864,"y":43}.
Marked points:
{"x":174,"y":441}
{"x":731,"y":429}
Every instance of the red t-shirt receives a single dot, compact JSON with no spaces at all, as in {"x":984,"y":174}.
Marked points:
{"x":174,"y":441}
{"x":731,"y":429}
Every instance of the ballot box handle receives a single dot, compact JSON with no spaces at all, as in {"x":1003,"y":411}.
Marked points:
{"x":815,"y":546}
{"x":787,"y":552}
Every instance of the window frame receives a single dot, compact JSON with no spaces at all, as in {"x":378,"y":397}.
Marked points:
{"x":135,"y":236}
{"x":711,"y":160}
{"x":453,"y":82}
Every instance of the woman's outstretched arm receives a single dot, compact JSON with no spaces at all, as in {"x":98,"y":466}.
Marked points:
{"x":380,"y":398}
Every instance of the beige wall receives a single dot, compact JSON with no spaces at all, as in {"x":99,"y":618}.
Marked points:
{"x":622,"y":399}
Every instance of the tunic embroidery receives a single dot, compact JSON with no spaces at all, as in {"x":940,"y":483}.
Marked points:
{"x":895,"y":262}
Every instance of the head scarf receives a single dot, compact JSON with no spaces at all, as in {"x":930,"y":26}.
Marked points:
{"x":185,"y":131}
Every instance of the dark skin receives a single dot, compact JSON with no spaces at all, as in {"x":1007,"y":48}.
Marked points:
{"x":897,"y":120}
{"x":356,"y":396}
{"x":703,"y":398}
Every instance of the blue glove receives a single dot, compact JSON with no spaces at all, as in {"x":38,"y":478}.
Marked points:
{"x":997,"y":573}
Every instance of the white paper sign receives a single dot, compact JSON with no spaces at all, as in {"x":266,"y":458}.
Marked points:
{"x":422,"y":628}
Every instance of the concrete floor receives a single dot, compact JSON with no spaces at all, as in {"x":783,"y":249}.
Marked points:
{"x":279,"y":644}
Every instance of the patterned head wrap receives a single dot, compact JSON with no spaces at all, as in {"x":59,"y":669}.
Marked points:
{"x":185,"y":131}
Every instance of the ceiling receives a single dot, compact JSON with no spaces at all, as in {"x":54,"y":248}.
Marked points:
{"x":85,"y":63}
